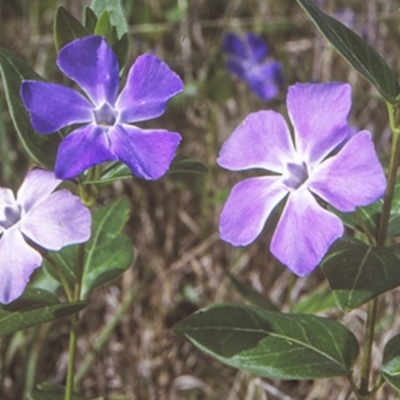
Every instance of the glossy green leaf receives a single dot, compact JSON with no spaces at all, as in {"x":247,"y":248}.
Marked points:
{"x":90,"y":19}
{"x":251,"y":295}
{"x":317,"y":301}
{"x":391,"y":362}
{"x":355,"y":50}
{"x":42,"y":148}
{"x":34,"y":307}
{"x":271,"y":344}
{"x":115,"y":9}
{"x":67,"y":28}
{"x":358,"y":273}
{"x":50,"y":391}
{"x":116,"y":170}
{"x":103,"y":26}
{"x":108,"y":253}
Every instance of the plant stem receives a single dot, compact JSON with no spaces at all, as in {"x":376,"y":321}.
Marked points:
{"x":74,"y":324}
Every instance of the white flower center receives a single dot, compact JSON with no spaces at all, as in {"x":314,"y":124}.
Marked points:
{"x":296,"y":175}
{"x":9,"y":216}
{"x":105,"y":115}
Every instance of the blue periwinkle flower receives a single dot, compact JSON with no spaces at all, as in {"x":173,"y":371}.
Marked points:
{"x":248,"y":60}
{"x":105,"y":117}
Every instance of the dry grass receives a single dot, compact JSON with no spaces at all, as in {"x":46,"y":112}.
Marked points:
{"x":179,"y":259}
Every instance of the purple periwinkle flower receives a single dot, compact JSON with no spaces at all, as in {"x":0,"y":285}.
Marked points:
{"x":49,"y":219}
{"x":248,"y":60}
{"x":106,"y":133}
{"x":317,"y":166}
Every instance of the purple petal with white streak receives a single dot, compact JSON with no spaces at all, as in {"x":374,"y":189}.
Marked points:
{"x":304,"y":233}
{"x":353,"y":177}
{"x":262,"y":140}
{"x":52,"y":107}
{"x":92,"y":64}
{"x":83,"y":148}
{"x":319,"y":116}
{"x":264,"y":79}
{"x":17,"y":262}
{"x":58,"y":221}
{"x":248,"y":207}
{"x":148,"y":153}
{"x":38,"y":185}
{"x":151,"y":83}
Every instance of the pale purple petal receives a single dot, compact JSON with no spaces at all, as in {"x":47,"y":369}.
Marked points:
{"x":151,"y":83}
{"x":319,"y":116}
{"x":264,"y":79}
{"x":17,"y":262}
{"x":52,"y":107}
{"x":262,"y":140}
{"x":92,"y":64}
{"x":257,"y":49}
{"x":58,"y":221}
{"x":304,"y":233}
{"x":148,"y":153}
{"x":38,"y":185}
{"x":234,"y":46}
{"x":8,"y":205}
{"x":353,"y":177}
{"x":248,"y":207}
{"x":83,"y":148}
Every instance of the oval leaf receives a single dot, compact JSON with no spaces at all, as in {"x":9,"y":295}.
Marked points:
{"x":391,"y":362}
{"x":34,"y":307}
{"x":42,"y":148}
{"x":90,"y":19}
{"x":67,"y":28}
{"x":270,"y":344}
{"x":358,"y":273}
{"x":356,"y":51}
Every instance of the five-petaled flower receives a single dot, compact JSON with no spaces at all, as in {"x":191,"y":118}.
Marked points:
{"x":51,"y":220}
{"x":324,"y":163}
{"x":248,"y":60}
{"x":106,"y":133}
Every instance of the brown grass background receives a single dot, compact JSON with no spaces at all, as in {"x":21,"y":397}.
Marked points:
{"x":179,"y":260}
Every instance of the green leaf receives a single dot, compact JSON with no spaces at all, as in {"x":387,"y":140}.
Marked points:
{"x":391,"y":362}
{"x":67,"y":28}
{"x":270,"y":344}
{"x":90,"y":19}
{"x":115,"y":9}
{"x":320,"y":300}
{"x":358,"y":273}
{"x":108,"y":253}
{"x":103,"y":26}
{"x":50,"y":391}
{"x":42,"y":148}
{"x":356,"y":51}
{"x":251,"y":295}
{"x":116,"y":170}
{"x":121,"y":50}
{"x":34,"y":307}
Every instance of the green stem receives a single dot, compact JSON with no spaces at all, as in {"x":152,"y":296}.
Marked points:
{"x":74,"y":324}
{"x":62,"y":278}
{"x":380,"y":241}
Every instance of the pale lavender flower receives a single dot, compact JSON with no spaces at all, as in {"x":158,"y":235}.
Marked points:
{"x":106,"y":133}
{"x":51,"y":220}
{"x":248,"y":60}
{"x":305,"y":172}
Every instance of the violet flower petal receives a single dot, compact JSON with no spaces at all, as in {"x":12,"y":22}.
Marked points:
{"x":92,"y":64}
{"x":38,"y":185}
{"x":248,"y":207}
{"x":262,"y":140}
{"x":353,"y":177}
{"x":58,"y":221}
{"x":237,"y":67}
{"x":304,"y":233}
{"x":7,"y":203}
{"x":319,"y":116}
{"x":83,"y":148}
{"x":257,"y":49}
{"x":148,"y":153}
{"x":234,"y":46}
{"x":52,"y":107}
{"x":264,"y":79}
{"x":150,"y":84}
{"x":17,"y":262}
